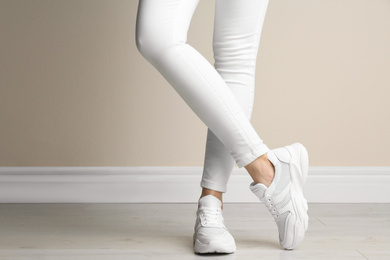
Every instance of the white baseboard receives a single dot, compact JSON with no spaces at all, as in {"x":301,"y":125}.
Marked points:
{"x":177,"y":185}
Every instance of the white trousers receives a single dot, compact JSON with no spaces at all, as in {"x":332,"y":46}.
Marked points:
{"x":222,"y":95}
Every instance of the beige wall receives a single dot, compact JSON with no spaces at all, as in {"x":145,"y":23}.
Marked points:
{"x":76,"y":92}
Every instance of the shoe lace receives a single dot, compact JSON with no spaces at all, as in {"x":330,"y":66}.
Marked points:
{"x":211,"y":217}
{"x":271,"y":205}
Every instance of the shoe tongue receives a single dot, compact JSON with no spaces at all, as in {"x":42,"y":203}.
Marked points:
{"x":210,"y":201}
{"x":258,"y":189}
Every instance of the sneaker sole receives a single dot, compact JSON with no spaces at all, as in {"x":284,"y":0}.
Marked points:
{"x":213,"y":247}
{"x":299,"y":171}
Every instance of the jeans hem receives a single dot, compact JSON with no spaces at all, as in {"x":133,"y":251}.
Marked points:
{"x":213,"y":186}
{"x":256,"y":153}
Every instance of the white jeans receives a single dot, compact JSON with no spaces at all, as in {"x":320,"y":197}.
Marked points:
{"x":221,"y":95}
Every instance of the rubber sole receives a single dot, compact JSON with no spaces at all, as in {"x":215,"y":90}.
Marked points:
{"x":213,"y":247}
{"x":299,"y":159}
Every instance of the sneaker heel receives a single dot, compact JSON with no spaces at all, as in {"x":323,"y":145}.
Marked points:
{"x":304,"y":163}
{"x":303,"y":160}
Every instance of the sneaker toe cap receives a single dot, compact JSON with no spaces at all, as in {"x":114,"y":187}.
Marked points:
{"x":205,"y":236}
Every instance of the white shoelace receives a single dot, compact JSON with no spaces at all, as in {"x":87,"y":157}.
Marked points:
{"x":270,"y":205}
{"x":211,"y":217}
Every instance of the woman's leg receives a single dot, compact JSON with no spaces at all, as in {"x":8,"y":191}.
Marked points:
{"x":237,"y":30}
{"x":161,"y":35}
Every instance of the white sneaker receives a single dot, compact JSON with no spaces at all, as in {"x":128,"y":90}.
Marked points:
{"x":211,"y":235}
{"x":284,"y":197}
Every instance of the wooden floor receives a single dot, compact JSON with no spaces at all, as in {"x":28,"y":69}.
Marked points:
{"x":164,"y":231}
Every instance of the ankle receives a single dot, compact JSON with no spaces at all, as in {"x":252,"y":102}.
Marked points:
{"x":215,"y":193}
{"x":261,"y":170}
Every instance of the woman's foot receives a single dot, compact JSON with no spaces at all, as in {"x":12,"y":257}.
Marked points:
{"x":283,"y":196}
{"x":215,"y":193}
{"x":211,"y":235}
{"x":261,"y":170}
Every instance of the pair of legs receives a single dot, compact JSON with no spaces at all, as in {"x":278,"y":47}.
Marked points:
{"x":221,"y":96}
